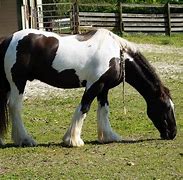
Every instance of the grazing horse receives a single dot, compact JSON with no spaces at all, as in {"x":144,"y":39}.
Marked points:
{"x":91,"y":60}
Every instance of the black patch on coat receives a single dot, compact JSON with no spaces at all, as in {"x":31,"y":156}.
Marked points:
{"x":103,"y":98}
{"x":111,"y":78}
{"x":35,"y":55}
{"x":143,"y":77}
{"x":84,"y":83}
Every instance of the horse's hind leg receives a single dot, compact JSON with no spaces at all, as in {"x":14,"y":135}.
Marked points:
{"x":19,"y":133}
{"x":105,"y":132}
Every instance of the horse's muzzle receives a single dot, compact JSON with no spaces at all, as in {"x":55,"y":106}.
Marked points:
{"x":169,"y":135}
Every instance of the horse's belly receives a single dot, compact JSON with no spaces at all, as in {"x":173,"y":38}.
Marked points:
{"x":64,"y":79}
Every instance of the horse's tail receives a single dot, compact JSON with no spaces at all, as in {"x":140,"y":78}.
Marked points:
{"x":4,"y":89}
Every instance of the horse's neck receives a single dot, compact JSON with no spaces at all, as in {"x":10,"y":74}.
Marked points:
{"x":142,"y":77}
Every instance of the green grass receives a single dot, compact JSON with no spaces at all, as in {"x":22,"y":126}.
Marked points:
{"x":160,"y":39}
{"x":142,"y":155}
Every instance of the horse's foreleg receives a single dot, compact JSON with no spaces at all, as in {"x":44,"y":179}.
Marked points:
{"x":72,"y":136}
{"x":105,"y":132}
{"x":19,"y":133}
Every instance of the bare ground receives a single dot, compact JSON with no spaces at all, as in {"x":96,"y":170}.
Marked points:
{"x":160,"y":49}
{"x":39,"y":89}
{"x":164,"y":68}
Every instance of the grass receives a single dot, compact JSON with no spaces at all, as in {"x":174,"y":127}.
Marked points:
{"x":160,"y":39}
{"x":142,"y":155}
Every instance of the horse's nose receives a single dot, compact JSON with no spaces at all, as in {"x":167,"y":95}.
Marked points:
{"x":169,"y":135}
{"x":173,"y":134}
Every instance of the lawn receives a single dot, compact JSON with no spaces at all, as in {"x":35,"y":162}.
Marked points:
{"x":141,"y":155}
{"x":175,"y":40}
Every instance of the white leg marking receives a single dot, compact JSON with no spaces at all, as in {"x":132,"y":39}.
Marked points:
{"x":1,"y":141}
{"x":105,"y":133}
{"x":72,"y":136}
{"x":19,"y":133}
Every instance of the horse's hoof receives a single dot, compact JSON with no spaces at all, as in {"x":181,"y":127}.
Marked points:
{"x":109,"y":137}
{"x":27,"y":142}
{"x":73,"y":142}
{"x":1,"y":142}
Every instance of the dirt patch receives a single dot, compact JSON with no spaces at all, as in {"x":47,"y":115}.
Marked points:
{"x":171,"y":71}
{"x":165,"y":69}
{"x":149,"y":48}
{"x":3,"y":170}
{"x":39,"y":89}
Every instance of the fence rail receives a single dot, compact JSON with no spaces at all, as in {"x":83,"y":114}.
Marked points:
{"x":52,"y":17}
{"x":165,"y":22}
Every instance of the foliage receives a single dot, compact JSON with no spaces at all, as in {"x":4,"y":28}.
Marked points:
{"x":103,"y":5}
{"x":114,"y":1}
{"x":129,"y":1}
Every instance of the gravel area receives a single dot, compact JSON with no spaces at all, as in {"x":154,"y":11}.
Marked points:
{"x":160,"y":49}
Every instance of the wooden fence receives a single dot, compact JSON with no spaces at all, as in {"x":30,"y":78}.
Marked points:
{"x":166,"y":22}
{"x":71,"y":17}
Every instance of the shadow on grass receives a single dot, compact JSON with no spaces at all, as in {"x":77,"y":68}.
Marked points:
{"x":11,"y":145}
{"x":129,"y":141}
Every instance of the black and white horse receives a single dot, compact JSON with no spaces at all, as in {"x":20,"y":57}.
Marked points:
{"x":91,"y":60}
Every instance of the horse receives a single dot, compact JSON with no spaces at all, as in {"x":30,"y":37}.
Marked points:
{"x":91,"y":60}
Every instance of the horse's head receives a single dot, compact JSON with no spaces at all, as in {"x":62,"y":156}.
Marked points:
{"x":161,"y":111}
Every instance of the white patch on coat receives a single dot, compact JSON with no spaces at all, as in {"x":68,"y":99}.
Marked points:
{"x":128,"y":57}
{"x":73,"y":134}
{"x":105,"y":132}
{"x":123,"y":43}
{"x":90,"y":59}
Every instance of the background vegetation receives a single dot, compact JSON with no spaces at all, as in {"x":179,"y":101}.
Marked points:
{"x":103,"y":6}
{"x":114,"y":1}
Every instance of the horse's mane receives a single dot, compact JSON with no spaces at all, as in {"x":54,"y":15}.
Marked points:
{"x":150,"y":73}
{"x":86,"y":35}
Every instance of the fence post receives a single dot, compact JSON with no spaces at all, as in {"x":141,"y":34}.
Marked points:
{"x":75,"y":17}
{"x":168,"y":19}
{"x":121,"y":26}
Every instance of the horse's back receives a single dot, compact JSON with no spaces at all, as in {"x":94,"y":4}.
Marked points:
{"x":64,"y":62}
